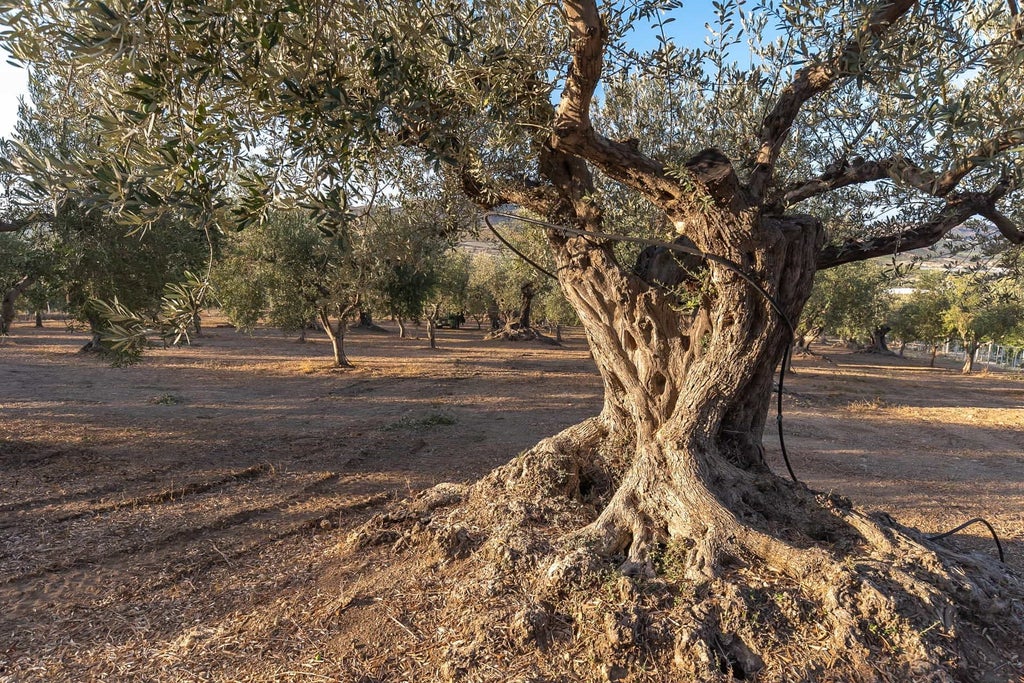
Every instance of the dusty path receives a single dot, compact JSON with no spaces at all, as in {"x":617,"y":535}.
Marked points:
{"x":176,"y":520}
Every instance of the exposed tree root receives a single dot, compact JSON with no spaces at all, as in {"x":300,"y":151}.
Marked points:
{"x":513,"y":332}
{"x":549,"y":570}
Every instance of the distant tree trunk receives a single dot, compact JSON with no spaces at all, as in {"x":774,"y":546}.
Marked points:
{"x":522,"y":328}
{"x":336,"y":333}
{"x":479,"y":319}
{"x":878,"y":343}
{"x":935,"y":352}
{"x":970,"y":352}
{"x":432,"y":325}
{"x":39,"y":318}
{"x":401,"y":327}
{"x":7,"y":308}
{"x":558,"y":332}
{"x":528,"y":292}
{"x":903,"y":346}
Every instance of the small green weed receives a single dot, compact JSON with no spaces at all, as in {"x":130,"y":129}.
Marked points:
{"x":166,"y":400}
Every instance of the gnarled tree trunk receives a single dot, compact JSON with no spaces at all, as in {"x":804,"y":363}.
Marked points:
{"x":521,"y":329}
{"x":694,"y":386}
{"x":878,"y":342}
{"x":7,"y":307}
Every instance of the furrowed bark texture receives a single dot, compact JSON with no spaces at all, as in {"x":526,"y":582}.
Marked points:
{"x":694,"y":383}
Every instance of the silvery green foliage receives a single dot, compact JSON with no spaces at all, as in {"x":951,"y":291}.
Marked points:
{"x":285,"y":102}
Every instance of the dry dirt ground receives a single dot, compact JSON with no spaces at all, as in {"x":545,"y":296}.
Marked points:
{"x":180,"y":520}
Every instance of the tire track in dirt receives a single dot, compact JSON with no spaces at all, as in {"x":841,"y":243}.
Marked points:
{"x":165,"y":495}
{"x":309,"y":507}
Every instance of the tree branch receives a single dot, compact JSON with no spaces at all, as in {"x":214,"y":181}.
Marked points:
{"x":11,"y":227}
{"x":957,"y":210}
{"x":857,"y":171}
{"x":1005,"y":140}
{"x":541,"y":199}
{"x":813,"y":80}
{"x":1005,"y":226}
{"x":573,"y":131}
{"x":22,"y":223}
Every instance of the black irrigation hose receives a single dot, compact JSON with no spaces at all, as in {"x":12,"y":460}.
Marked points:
{"x":487,"y":220}
{"x":731,"y":265}
{"x":976,"y":520}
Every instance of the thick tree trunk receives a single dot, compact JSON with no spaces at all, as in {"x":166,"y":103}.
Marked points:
{"x":695,"y":386}
{"x":519,"y":325}
{"x":878,"y":342}
{"x":432,"y":327}
{"x":7,"y":306}
{"x":526,"y":306}
{"x":39,"y":318}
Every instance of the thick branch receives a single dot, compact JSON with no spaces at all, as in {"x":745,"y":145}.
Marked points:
{"x":19,"y":224}
{"x":1006,"y":227}
{"x":573,"y":132}
{"x":813,"y":80}
{"x":856,"y":172}
{"x":587,"y":33}
{"x":541,"y":199}
{"x":954,"y":213}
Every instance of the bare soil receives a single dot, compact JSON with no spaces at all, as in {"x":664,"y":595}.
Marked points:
{"x":182,"y":519}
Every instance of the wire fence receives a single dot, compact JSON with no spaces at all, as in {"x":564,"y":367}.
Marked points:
{"x":989,"y":355}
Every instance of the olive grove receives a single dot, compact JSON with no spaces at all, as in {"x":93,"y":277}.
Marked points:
{"x":800,"y":136}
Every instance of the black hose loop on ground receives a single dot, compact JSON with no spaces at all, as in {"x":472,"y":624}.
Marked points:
{"x":976,"y":520}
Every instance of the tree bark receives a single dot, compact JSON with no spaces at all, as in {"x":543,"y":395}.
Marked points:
{"x":336,"y":333}
{"x":695,"y":385}
{"x":401,"y":328}
{"x":7,"y":307}
{"x":935,"y":352}
{"x":970,"y":353}
{"x":528,"y":292}
{"x":39,"y":318}
{"x":432,"y":326}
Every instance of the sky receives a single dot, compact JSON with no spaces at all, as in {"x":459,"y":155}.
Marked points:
{"x":13,"y":84}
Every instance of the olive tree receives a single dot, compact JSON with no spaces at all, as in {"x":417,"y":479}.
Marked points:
{"x":907,"y":111}
{"x":981,"y":309}
{"x":920,"y":315}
